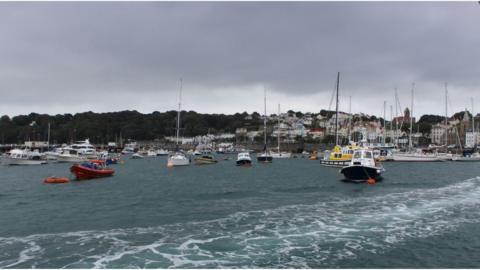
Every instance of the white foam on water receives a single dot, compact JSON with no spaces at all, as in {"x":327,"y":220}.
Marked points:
{"x":292,"y":236}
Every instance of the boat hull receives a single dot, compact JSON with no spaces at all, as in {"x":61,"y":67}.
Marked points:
{"x":18,"y":161}
{"x":71,"y":159}
{"x":205,"y":161}
{"x":361,"y":173}
{"x":244,"y":163}
{"x":413,"y":158}
{"x":173,"y":162}
{"x":84,"y":173}
{"x":265,"y":159}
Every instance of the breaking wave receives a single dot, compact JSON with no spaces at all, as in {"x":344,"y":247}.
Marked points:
{"x":318,"y":235}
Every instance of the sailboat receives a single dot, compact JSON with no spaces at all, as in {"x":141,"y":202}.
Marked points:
{"x":279,"y":154}
{"x":414,"y":155}
{"x":265,"y":156}
{"x":178,"y":158}
{"x":339,"y":156}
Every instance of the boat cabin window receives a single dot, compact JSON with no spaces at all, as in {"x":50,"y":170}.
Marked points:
{"x":357,"y":155}
{"x":368,"y":154}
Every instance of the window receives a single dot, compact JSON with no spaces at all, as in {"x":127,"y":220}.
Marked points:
{"x":368,"y":154}
{"x":356,"y":155}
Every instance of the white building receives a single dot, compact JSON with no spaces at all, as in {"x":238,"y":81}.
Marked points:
{"x":471,"y":139}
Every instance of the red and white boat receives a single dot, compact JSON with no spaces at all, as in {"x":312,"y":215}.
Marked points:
{"x":90,"y":170}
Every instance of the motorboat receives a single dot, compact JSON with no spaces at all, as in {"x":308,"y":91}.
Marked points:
{"x":363,"y":167}
{"x":130,"y":148}
{"x":467,"y":156}
{"x":243,"y":159}
{"x":162,"y":152}
{"x":339,"y":156}
{"x":71,"y":155}
{"x":84,"y":148}
{"x":90,"y":170}
{"x":137,"y":156}
{"x":151,"y":153}
{"x":178,"y":158}
{"x":205,"y":159}
{"x":23,"y":157}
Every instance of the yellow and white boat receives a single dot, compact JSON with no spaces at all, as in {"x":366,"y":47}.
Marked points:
{"x":339,"y":156}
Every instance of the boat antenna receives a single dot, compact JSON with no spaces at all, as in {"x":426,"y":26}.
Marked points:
{"x":336,"y":111}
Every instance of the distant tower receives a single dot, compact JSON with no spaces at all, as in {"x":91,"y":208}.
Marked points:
{"x":406,"y":114}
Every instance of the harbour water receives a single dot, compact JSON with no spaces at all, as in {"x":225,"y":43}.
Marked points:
{"x":291,"y":213}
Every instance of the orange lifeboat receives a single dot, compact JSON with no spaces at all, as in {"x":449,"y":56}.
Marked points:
{"x":56,"y":180}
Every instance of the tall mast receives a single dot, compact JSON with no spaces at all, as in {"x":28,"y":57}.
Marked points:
{"x":384,"y":116}
{"x":265,"y":118}
{"x":349,"y":119}
{"x":48,"y":137}
{"x":278,"y":129}
{"x":391,"y":122}
{"x":179,"y":108}
{"x":336,"y":111}
{"x":411,"y":119}
{"x":446,"y":115}
{"x":473,"y":125}
{"x":396,"y":117}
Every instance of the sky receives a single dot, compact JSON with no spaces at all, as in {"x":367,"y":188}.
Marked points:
{"x":69,"y":57}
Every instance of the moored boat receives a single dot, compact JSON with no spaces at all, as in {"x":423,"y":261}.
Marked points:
{"x":363,"y":167}
{"x":23,"y":157}
{"x":90,"y":170}
{"x":205,"y":159}
{"x":243,"y":159}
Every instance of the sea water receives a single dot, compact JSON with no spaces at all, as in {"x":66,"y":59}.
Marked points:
{"x":292,"y":213}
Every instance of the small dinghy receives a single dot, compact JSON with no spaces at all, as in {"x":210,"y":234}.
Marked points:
{"x":90,"y":170}
{"x":205,"y":159}
{"x":56,"y":180}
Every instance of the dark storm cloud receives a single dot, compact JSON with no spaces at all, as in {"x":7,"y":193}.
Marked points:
{"x":70,"y":57}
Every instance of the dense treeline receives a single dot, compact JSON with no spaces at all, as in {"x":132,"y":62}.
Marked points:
{"x":104,"y":127}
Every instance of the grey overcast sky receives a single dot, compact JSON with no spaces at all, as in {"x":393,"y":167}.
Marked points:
{"x":68,"y":57}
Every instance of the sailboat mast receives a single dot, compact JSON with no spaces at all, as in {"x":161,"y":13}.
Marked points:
{"x":265,"y":118}
{"x":391,"y":122}
{"x":48,"y":137}
{"x":278,"y":129}
{"x":411,"y":119}
{"x":396,"y":117}
{"x":178,"y":113}
{"x":336,"y":111}
{"x":473,"y":125}
{"x":384,"y":116}
{"x":446,"y":115}
{"x":349,"y":119}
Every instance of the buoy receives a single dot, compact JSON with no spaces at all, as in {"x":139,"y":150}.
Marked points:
{"x":371,"y":181}
{"x":56,"y":180}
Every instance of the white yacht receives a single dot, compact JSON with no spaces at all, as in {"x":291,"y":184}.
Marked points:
{"x":178,"y":158}
{"x":151,"y":153}
{"x":71,"y":155}
{"x":130,"y":148}
{"x":23,"y":157}
{"x":84,"y":148}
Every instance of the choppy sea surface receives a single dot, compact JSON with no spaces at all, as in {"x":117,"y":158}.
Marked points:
{"x":289,"y":214}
